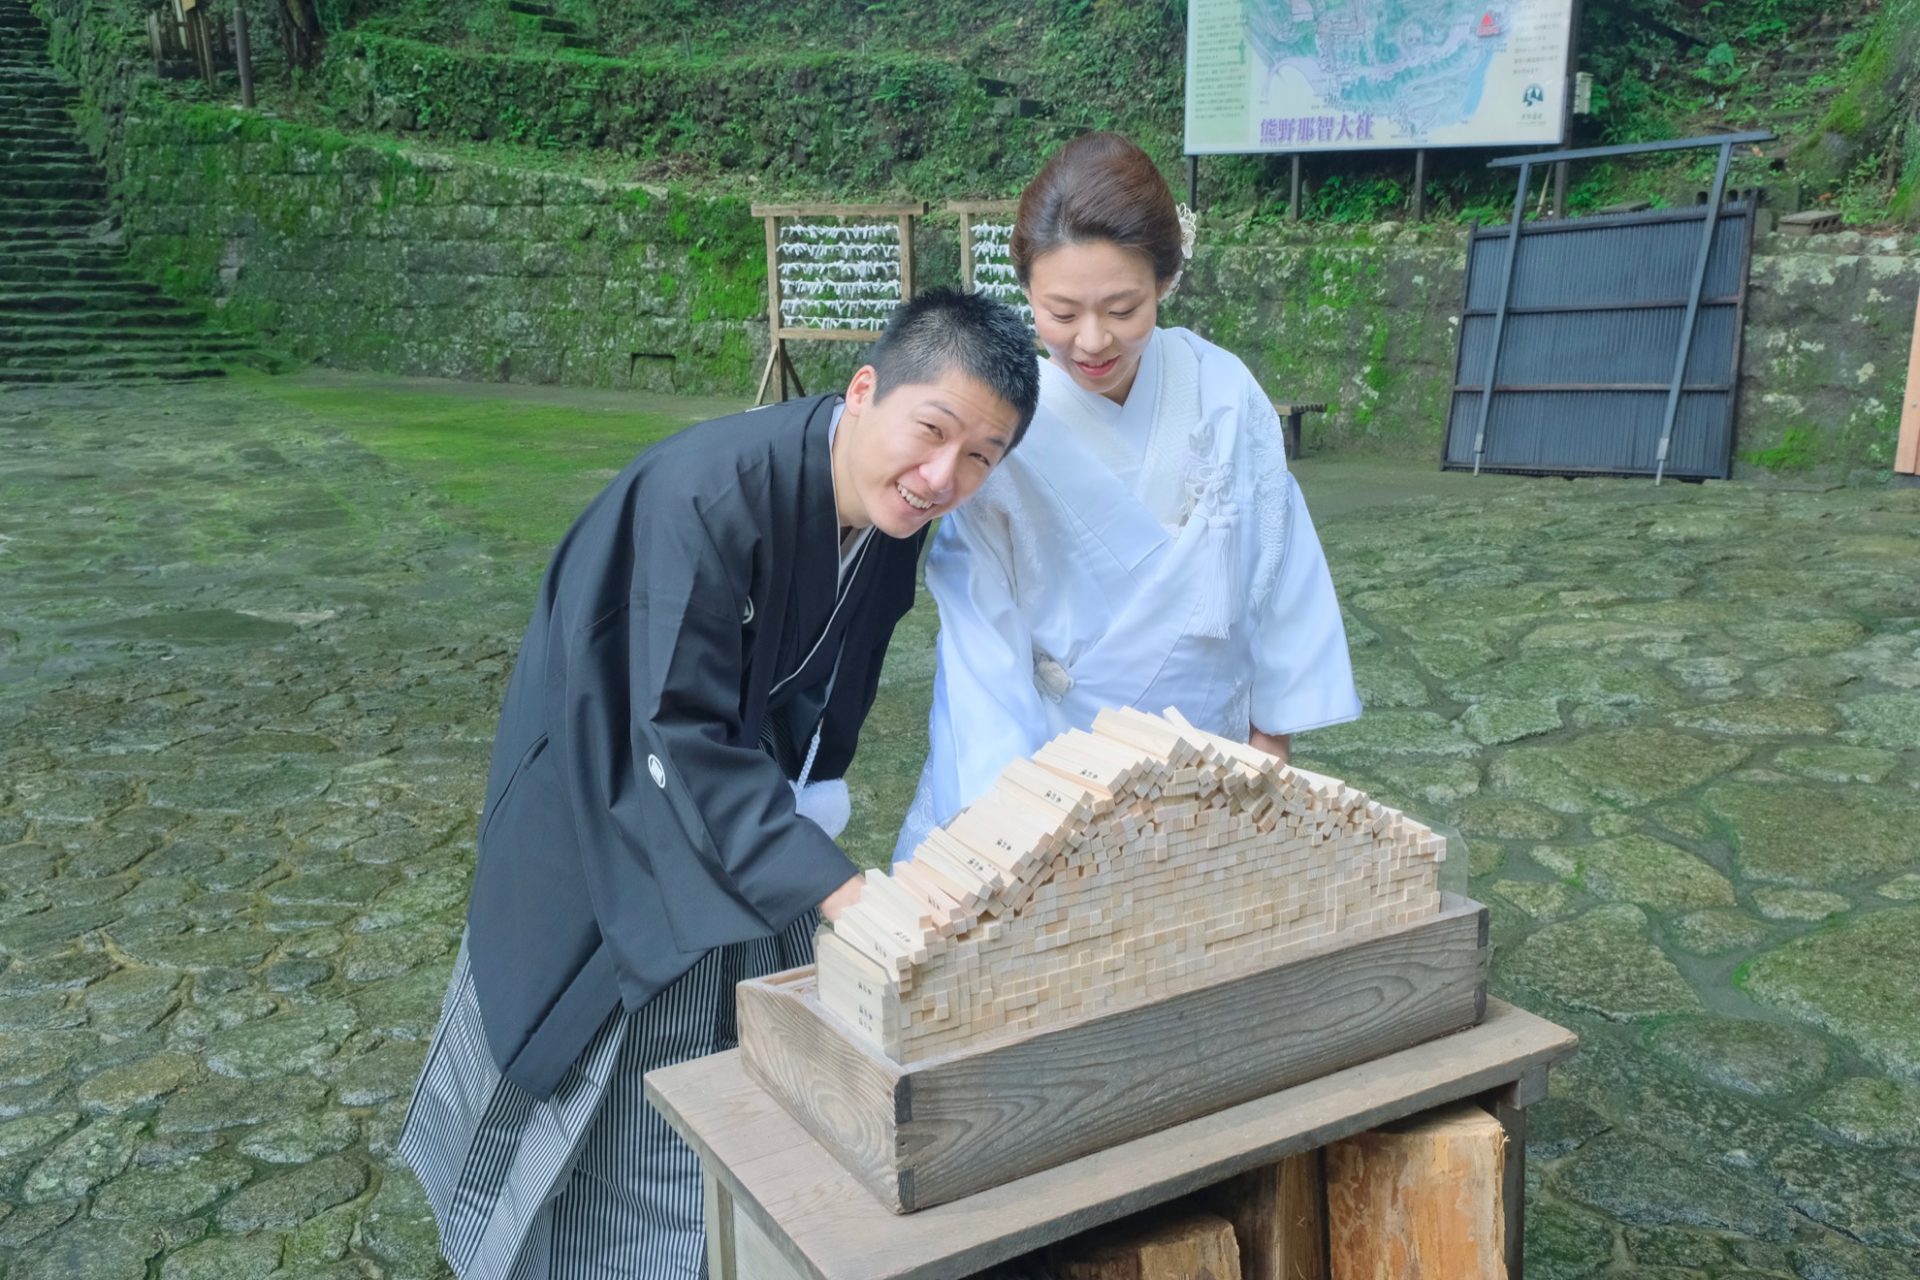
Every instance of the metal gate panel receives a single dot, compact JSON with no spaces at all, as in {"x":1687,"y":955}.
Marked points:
{"x":1605,"y":347}
{"x":1597,"y":369}
{"x":1587,"y":432}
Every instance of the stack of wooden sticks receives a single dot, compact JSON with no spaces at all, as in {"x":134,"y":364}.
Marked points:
{"x":1117,"y":867}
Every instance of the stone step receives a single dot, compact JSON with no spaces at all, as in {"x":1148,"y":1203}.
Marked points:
{"x":127,"y":333}
{"x":71,"y":221}
{"x":66,"y":151}
{"x":69,"y":170}
{"x":21,"y":239}
{"x":132,"y":373}
{"x":161,"y":317}
{"x":51,"y":308}
{"x":88,"y":292}
{"x":169,"y":346}
{"x":559,"y":26}
{"x":77,"y":254}
{"x":21,"y":91}
{"x":16,"y":270}
{"x":23,"y":134}
{"x":39,"y":111}
{"x":29,"y":210}
{"x":19,"y":187}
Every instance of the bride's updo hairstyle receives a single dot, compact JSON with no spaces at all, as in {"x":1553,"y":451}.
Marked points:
{"x":1098,"y":187}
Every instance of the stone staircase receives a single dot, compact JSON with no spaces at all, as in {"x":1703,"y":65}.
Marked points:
{"x":71,"y":308}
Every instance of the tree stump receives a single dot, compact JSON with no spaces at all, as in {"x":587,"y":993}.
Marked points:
{"x":1279,"y":1217}
{"x":1183,"y":1246}
{"x":1420,"y":1200}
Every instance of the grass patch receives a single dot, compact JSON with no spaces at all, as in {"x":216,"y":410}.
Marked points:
{"x":511,"y":461}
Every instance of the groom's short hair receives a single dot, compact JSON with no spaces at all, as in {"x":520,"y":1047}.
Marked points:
{"x":944,"y":330}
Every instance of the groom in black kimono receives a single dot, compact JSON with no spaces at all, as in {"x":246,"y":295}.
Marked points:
{"x":707,"y":641}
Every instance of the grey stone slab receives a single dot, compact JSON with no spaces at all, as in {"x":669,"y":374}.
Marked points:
{"x":1856,"y":982}
{"x":82,"y":1161}
{"x":1646,"y":1185}
{"x":216,"y":1104}
{"x":289,"y":1199}
{"x":227,"y":1258}
{"x":286,"y":1044}
{"x":1871,"y":1111}
{"x":171,"y":1192}
{"x":1816,"y":837}
{"x":1602,"y":962}
{"x":302,"y":1138}
{"x":1639,"y":868}
{"x":1751,"y":1057}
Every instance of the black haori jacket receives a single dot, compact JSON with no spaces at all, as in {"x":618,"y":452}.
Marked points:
{"x":638,"y":811}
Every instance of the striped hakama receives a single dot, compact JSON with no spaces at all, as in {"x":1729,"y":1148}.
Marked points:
{"x":590,"y":1182}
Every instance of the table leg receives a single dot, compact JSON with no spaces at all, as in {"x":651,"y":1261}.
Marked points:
{"x":1293,"y":436}
{"x":719,"y":1214}
{"x":1509,"y":1106}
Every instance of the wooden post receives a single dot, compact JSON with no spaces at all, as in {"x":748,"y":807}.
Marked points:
{"x":1293,"y":200}
{"x":906,"y":258}
{"x":776,"y":356}
{"x":1419,"y":185}
{"x":1906,"y":455}
{"x":1279,"y":1217}
{"x":966,"y":251}
{"x":1186,"y":1246}
{"x":1424,"y":1197}
{"x":243,"y":52}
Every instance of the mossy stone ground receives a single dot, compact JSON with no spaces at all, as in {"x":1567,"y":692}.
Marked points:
{"x":255,"y":640}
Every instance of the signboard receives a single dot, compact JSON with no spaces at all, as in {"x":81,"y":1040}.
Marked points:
{"x":1357,"y":75}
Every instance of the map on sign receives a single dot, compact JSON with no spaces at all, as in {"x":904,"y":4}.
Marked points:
{"x":1348,"y":75}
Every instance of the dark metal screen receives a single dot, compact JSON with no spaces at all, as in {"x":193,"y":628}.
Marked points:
{"x":1585,"y":338}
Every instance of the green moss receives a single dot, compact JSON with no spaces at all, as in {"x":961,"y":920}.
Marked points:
{"x":1798,"y":450}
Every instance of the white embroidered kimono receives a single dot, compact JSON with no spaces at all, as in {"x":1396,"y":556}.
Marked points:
{"x":1151,"y":554}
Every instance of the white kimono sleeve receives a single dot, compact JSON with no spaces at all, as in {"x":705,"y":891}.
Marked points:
{"x":1302,"y":674}
{"x":986,"y":710}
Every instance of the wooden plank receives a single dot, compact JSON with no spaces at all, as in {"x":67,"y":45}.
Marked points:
{"x":758,"y":1257}
{"x":1906,"y":454}
{"x":1422,"y":1198}
{"x":1170,"y":1246}
{"x":849,"y":1096}
{"x":980,"y":1118}
{"x":875,"y":211}
{"x":1279,"y":1217}
{"x":1006,"y":208}
{"x":829,"y":335}
{"x":796,"y":1192}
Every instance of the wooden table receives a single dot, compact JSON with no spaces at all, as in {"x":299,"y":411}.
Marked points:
{"x":779,"y":1207}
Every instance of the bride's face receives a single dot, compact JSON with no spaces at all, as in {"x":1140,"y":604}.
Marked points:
{"x":1094,"y":306}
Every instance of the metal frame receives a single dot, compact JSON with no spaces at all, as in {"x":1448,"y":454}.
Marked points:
{"x":1516,"y":230}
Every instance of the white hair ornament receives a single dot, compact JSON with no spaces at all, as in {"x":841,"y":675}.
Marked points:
{"x":1189,"y":224}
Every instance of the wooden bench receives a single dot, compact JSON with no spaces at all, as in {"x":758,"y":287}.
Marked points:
{"x":1290,"y":415}
{"x":780,"y":1207}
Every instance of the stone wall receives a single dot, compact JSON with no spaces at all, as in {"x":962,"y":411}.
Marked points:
{"x":410,"y":262}
{"x":381,"y":258}
{"x":373,"y":255}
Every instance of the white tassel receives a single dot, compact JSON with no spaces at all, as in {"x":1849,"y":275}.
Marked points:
{"x":1214,"y":612}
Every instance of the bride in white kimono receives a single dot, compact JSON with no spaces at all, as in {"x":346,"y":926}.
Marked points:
{"x":1147,"y":546}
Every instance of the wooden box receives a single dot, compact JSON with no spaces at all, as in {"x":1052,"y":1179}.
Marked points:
{"x":947,"y":1127}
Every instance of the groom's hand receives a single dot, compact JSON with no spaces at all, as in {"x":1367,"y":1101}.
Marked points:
{"x":842,"y":898}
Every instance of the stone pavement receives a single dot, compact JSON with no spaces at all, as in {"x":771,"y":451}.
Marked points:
{"x":249,"y":670}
